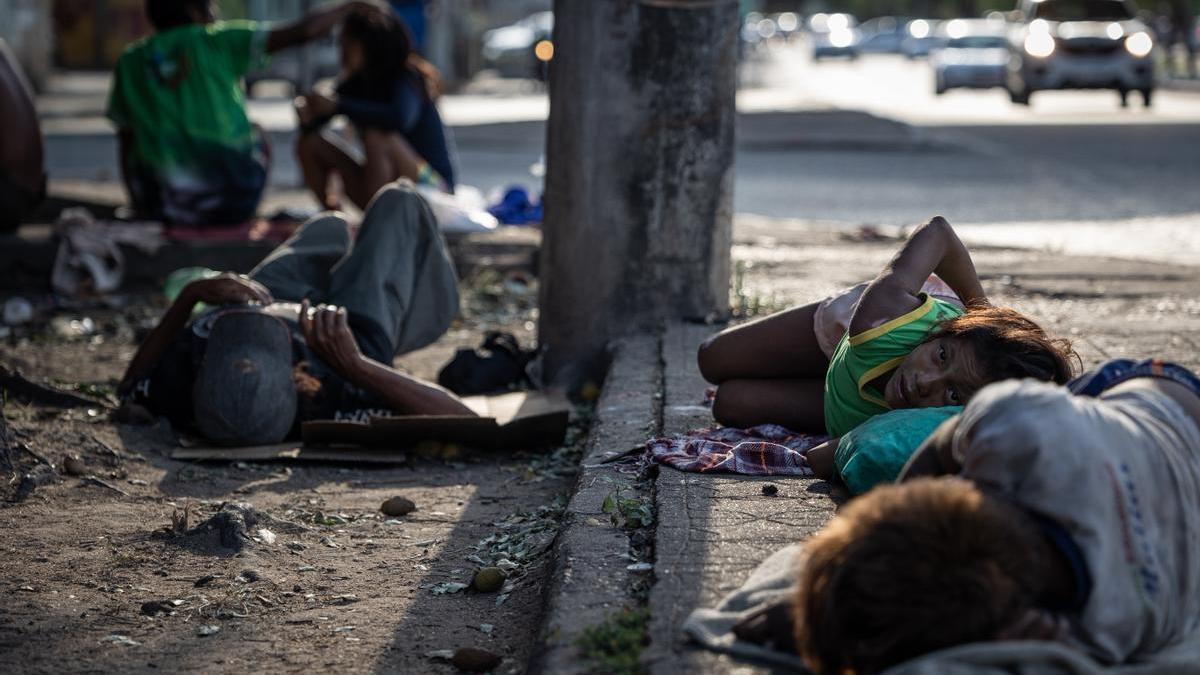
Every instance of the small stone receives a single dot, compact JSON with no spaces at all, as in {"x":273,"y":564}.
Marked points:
{"x":74,"y":466}
{"x":398,"y":506}
{"x":205,"y":631}
{"x":770,"y":490}
{"x":249,"y":576}
{"x":488,"y":580}
{"x":475,"y":660}
{"x":152,"y":607}
{"x":204,"y":580}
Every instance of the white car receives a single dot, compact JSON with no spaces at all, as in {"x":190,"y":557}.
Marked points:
{"x":974,"y":55}
{"x":1080,"y":44}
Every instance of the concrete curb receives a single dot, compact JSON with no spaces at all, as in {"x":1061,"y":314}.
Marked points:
{"x":589,"y":581}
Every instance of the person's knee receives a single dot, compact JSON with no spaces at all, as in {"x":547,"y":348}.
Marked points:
{"x":708,"y":358}
{"x":729,"y":405}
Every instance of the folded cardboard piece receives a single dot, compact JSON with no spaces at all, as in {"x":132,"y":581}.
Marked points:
{"x":517,"y":420}
{"x":508,"y":421}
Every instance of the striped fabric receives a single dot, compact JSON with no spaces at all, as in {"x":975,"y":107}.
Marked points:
{"x":765,"y":450}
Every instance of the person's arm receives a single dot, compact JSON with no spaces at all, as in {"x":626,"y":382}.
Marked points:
{"x":327,"y":332}
{"x":932,"y":248}
{"x":223,"y":289}
{"x":935,"y":457}
{"x":316,"y":24}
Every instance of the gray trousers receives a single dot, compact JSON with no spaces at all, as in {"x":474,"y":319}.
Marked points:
{"x":396,"y":280}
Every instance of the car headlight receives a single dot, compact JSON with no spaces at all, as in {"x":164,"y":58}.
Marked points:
{"x":1139,"y":44}
{"x":841,"y":38}
{"x":1039,"y":44}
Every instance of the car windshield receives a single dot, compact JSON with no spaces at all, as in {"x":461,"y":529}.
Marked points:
{"x":1082,"y":10}
{"x":977,"y":42}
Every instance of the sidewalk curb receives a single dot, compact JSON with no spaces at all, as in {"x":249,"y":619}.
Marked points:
{"x":589,"y":580}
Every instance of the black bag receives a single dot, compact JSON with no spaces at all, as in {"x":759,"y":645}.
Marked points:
{"x":498,"y":365}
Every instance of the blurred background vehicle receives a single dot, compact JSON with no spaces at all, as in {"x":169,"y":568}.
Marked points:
{"x":300,"y":67}
{"x":520,"y":49}
{"x":834,"y":35}
{"x":883,"y":35}
{"x":921,"y":38}
{"x":1080,"y":44}
{"x":974,"y":56}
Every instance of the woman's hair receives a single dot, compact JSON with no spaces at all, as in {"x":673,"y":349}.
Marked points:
{"x":166,"y":14}
{"x":909,"y":569}
{"x":388,"y":55}
{"x":1009,"y":345}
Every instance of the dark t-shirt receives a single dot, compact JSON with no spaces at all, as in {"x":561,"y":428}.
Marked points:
{"x":167,"y":389}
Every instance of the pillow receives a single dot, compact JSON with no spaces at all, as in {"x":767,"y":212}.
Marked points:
{"x":875,"y":451}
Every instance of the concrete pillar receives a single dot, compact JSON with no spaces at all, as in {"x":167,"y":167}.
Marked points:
{"x":639,"y":182}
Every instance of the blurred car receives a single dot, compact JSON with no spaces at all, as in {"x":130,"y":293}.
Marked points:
{"x":921,"y":38}
{"x":974,"y":56}
{"x":1080,"y":44}
{"x":301,"y":67}
{"x":882,"y":35}
{"x":787,"y":24}
{"x":834,"y":35}
{"x":512,"y":50}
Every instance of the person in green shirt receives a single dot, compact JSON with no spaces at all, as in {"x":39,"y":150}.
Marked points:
{"x":902,"y":347}
{"x":188,"y":153}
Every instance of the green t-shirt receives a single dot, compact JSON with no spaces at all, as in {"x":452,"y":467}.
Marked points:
{"x":859,"y":359}
{"x":179,"y":94}
{"x":876,"y":451}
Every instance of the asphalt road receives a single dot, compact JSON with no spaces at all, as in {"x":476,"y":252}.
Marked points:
{"x":971,"y":155}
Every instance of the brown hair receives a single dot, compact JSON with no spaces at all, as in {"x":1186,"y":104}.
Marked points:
{"x":1010,"y":345}
{"x":909,"y":569}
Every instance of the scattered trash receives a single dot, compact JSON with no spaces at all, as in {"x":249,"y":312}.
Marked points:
{"x":93,"y":480}
{"x":248,"y":577}
{"x":26,"y":588}
{"x":204,"y":580}
{"x":89,"y":260}
{"x":74,"y":466}
{"x":265,"y":536}
{"x":328,"y":541}
{"x":440,"y":654}
{"x":42,"y":474}
{"x":447,"y":587}
{"x":475,"y":660}
{"x":120,"y":640}
{"x":398,"y":506}
{"x":488,"y":580}
{"x":138,"y":481}
{"x":17,"y":311}
{"x":640,"y":567}
{"x":486,"y":628}
{"x":296,"y":546}
{"x":343,"y":629}
{"x":205,"y":631}
{"x":344,"y":599}
{"x":770,"y":490}
{"x":153,"y":607}
{"x":231,"y":525}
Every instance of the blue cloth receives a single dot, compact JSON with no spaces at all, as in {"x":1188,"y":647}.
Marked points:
{"x":516,"y":208}
{"x":1111,"y":373}
{"x":407,"y":111}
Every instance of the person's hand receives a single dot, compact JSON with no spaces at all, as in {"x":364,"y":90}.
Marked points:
{"x":228,"y":289}
{"x":326,"y":330}
{"x":303,"y":111}
{"x":320,"y":104}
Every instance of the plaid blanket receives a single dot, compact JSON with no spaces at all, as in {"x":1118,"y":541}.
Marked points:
{"x":765,"y":450}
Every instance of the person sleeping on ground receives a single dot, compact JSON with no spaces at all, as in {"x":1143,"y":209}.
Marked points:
{"x":309,"y":334}
{"x":1065,"y":515}
{"x":389,"y":94}
{"x":908,"y":343}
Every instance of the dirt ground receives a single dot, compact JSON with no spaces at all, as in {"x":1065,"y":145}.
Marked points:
{"x":97,"y":578}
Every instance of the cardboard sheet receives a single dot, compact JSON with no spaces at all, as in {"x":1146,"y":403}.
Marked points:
{"x":518,"y":420}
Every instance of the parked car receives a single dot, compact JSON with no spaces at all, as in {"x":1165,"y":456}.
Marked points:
{"x":975,"y":55}
{"x":511,"y":49}
{"x":1080,"y":44}
{"x":834,"y":35}
{"x":921,"y":38}
{"x":882,"y":35}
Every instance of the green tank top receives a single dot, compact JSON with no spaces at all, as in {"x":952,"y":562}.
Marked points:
{"x":859,"y":359}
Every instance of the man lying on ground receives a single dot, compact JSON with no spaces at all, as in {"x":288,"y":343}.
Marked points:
{"x":248,"y":370}
{"x":22,"y":174}
{"x":1073,"y":519}
{"x":188,"y":153}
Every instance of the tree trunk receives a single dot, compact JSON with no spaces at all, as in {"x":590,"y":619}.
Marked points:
{"x":639,"y":173}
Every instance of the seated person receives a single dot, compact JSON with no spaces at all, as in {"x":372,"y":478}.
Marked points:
{"x":908,"y":343}
{"x":22,"y":174}
{"x":248,"y":370}
{"x":389,"y":94}
{"x":1073,"y":519}
{"x":188,"y":153}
